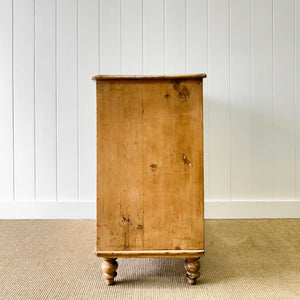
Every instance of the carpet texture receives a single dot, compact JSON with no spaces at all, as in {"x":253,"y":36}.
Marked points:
{"x":245,"y":259}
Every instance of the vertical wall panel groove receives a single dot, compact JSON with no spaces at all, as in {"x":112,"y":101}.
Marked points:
{"x":261,"y":113}
{"x":196,"y":37}
{"x":206,"y":114}
{"x":295,"y":95}
{"x":120,"y":37}
{"x":240,"y":100}
{"x":77,"y":102}
{"x":67,"y":136}
{"x":56,"y":102}
{"x":284,"y":100}
{"x":185,"y":35}
{"x":251,"y":94}
{"x":165,"y":53}
{"x":110,"y":43}
{"x":273,"y":123}
{"x":34,"y":99}
{"x":45,"y":100}
{"x":153,"y":37}
{"x":88,"y":64}
{"x":13,"y":103}
{"x":6,"y":102}
{"x":297,"y":98}
{"x":99,"y":35}
{"x":142,"y":39}
{"x":175,"y":37}
{"x":229,"y":96}
{"x":218,"y":97}
{"x":131,"y":37}
{"x":24,"y":100}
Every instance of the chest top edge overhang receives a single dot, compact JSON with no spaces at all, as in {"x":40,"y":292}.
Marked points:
{"x":149,"y":77}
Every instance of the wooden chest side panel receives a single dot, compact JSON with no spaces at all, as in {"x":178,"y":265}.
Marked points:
{"x":150,"y":165}
{"x":173,"y":165}
{"x":119,"y":166}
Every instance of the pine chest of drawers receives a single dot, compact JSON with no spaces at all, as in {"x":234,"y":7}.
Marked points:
{"x":150,"y":170}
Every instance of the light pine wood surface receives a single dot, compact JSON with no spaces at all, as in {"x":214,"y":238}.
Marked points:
{"x":150,"y":164}
{"x":150,"y":253}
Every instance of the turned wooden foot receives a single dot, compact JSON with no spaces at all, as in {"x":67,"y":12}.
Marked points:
{"x":109,"y":267}
{"x":192,"y":267}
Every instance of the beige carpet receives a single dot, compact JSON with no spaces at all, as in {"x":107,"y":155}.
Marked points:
{"x":245,"y":259}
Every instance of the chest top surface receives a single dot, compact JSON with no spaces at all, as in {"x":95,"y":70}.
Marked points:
{"x":149,"y":77}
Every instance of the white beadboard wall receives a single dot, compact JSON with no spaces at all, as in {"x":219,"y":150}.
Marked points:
{"x":50,"y":49}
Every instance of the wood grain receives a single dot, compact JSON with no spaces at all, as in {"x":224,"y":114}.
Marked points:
{"x":152,"y":253}
{"x":149,"y":164}
{"x":149,"y":77}
{"x":173,"y":166}
{"x":119,"y":171}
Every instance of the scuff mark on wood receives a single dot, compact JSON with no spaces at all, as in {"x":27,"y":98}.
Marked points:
{"x":186,"y":160}
{"x":153,"y":167}
{"x":126,"y":220}
{"x":176,"y":86}
{"x":184,"y":93}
